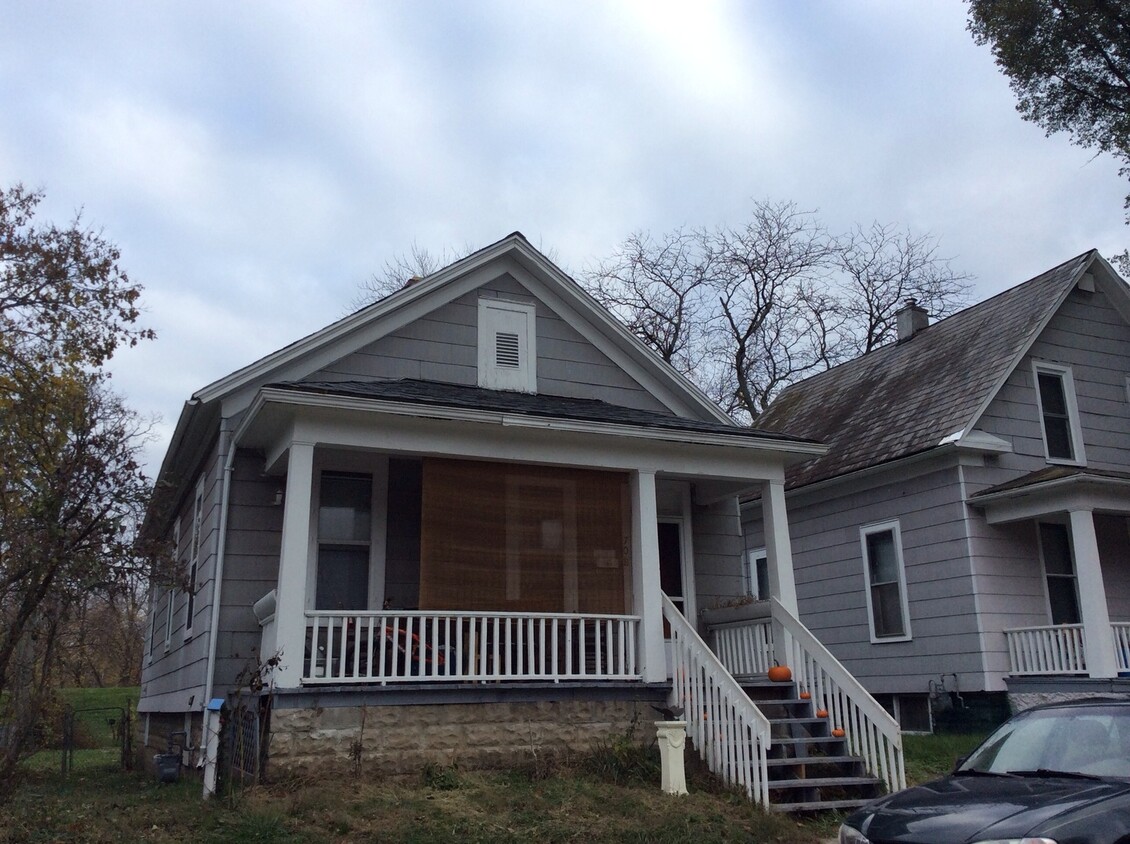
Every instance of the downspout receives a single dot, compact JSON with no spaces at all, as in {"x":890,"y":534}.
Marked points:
{"x":212,"y":716}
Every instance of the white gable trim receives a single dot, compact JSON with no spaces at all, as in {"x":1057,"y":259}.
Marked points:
{"x":511,"y":254}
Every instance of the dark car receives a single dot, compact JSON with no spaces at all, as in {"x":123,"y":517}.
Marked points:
{"x":1056,"y":774}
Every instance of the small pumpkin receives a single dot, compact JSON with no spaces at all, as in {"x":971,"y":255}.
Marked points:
{"x":780,"y":673}
{"x":838,"y":732}
{"x":821,"y":713}
{"x":806,"y":695}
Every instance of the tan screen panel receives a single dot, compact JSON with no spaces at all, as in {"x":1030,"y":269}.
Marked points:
{"x":505,"y":537}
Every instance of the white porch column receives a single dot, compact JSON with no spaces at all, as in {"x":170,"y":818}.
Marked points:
{"x":779,"y":560}
{"x":646,"y":594}
{"x":1092,"y":596}
{"x":290,"y":611}
{"x":778,"y":549}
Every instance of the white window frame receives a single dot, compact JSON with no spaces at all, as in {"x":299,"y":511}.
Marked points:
{"x":896,"y":532}
{"x":749,"y":572}
{"x":1079,"y":457}
{"x":150,"y":639}
{"x":498,"y":316}
{"x":194,"y":558}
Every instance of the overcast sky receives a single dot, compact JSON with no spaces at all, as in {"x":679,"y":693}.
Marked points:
{"x":256,"y":162}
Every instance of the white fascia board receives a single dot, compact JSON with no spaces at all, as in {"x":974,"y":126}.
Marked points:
{"x":978,"y":441}
{"x":516,"y":420}
{"x":1078,"y":492}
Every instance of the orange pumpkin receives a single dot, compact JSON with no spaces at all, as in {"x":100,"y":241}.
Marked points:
{"x":838,"y":732}
{"x":805,"y":695}
{"x":780,"y":673}
{"x":821,"y":713}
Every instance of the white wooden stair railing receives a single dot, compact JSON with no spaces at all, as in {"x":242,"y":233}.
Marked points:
{"x":870,"y":731}
{"x":730,"y":733}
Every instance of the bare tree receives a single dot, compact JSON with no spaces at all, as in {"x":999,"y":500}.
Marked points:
{"x":658,"y":289}
{"x":747,"y":311}
{"x":883,"y":266}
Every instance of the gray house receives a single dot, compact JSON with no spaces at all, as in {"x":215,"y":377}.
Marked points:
{"x":966,"y":535}
{"x":469,"y":521}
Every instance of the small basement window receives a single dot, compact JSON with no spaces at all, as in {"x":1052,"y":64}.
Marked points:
{"x":507,"y":351}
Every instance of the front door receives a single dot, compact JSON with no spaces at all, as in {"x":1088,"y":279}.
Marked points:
{"x":671,"y":565}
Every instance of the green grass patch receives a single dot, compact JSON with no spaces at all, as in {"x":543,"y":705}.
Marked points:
{"x":931,"y":756}
{"x":110,"y":696}
{"x":575,"y":800}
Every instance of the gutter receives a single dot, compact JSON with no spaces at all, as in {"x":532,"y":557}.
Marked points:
{"x":211,"y":716}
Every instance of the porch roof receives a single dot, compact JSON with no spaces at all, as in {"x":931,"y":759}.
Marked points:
{"x":1055,"y":489}
{"x":463,"y":397}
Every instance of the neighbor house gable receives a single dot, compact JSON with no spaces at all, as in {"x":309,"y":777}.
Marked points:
{"x":932,"y":389}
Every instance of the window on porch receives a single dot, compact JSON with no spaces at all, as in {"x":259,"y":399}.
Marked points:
{"x":1059,"y":571}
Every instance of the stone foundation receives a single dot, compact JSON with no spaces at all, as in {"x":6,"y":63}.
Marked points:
{"x":403,"y":739}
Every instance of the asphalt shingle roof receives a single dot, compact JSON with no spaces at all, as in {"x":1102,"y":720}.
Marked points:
{"x":907,"y":397}
{"x":435,"y":393}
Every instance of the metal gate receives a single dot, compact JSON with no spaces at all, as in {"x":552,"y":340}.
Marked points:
{"x":98,"y":738}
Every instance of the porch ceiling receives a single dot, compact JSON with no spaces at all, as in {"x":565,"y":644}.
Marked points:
{"x":1058,"y":489}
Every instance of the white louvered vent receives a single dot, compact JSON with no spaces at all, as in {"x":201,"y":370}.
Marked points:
{"x":506,"y":350}
{"x":507,"y":353}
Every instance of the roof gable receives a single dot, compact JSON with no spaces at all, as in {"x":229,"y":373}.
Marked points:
{"x":514,"y":255}
{"x":911,"y":396}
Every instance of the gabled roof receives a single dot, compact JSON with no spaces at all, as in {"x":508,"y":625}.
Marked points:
{"x":910,"y":396}
{"x":513,"y":252}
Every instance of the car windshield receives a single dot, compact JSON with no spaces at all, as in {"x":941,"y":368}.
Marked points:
{"x":1090,"y":740}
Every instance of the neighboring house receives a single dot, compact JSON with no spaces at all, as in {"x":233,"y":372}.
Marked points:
{"x":966,"y":534}
{"x":469,"y":520}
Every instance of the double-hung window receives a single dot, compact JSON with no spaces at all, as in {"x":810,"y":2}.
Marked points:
{"x":1059,"y":414}
{"x":345,"y":502}
{"x":1059,"y":571}
{"x":885,"y":578}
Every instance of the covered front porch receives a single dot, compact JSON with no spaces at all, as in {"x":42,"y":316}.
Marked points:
{"x":456,"y":547}
{"x":1079,"y":520}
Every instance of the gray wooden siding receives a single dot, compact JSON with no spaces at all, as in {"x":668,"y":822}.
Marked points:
{"x":1007,"y":575}
{"x":442,"y":346}
{"x":716,"y":533}
{"x":251,"y":566}
{"x":180,"y":671}
{"x":825,"y":531}
{"x":1090,"y":336}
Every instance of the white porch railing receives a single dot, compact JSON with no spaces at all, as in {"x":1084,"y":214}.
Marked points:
{"x":1121,"y":646}
{"x":437,"y":646}
{"x":729,"y":731}
{"x":871,"y":732}
{"x":1052,"y":649}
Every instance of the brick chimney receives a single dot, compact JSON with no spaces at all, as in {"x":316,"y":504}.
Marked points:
{"x":911,"y":319}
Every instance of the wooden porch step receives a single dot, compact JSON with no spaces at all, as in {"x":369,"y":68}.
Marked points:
{"x":819,"y":805}
{"x":811,"y":761}
{"x":826,"y":782}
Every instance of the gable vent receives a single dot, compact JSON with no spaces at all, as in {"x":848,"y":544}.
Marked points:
{"x":506,"y":350}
